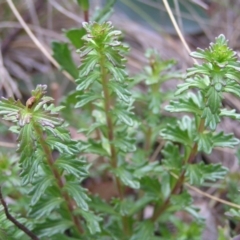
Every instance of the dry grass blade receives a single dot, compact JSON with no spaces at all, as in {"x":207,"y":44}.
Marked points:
{"x":35,"y":40}
{"x":6,"y":82}
{"x":177,"y":28}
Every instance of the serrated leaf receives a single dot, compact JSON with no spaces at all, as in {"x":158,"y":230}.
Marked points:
{"x":69,"y":147}
{"x":230,"y":113}
{"x":172,"y":158}
{"x":140,"y":204}
{"x":86,"y":98}
{"x":51,"y":227}
{"x":147,"y":169}
{"x":205,"y":69}
{"x":214,"y":99}
{"x":78,"y":194}
{"x":151,"y":186}
{"x":211,"y":119}
{"x":85,"y":82}
{"x":144,"y":230}
{"x":126,"y":177}
{"x":191,"y":103}
{"x":204,"y":141}
{"x":232,"y":87}
{"x":92,"y":146}
{"x":45,"y":207}
{"x":155,"y":102}
{"x":72,"y":166}
{"x":89,"y":63}
{"x":224,"y":140}
{"x":121,"y":92}
{"x":104,"y":13}
{"x":63,"y":56}
{"x":200,"y":172}
{"x":196,"y":82}
{"x":183,"y":132}
{"x":102,"y":206}
{"x":9,"y":108}
{"x":40,"y":187}
{"x":181,"y":201}
{"x":165,"y":184}
{"x":92,"y":221}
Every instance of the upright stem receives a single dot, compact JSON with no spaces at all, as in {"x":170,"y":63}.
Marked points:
{"x":107,"y":108}
{"x":60,"y":181}
{"x":113,"y":158}
{"x":159,"y":210}
{"x":148,"y":137}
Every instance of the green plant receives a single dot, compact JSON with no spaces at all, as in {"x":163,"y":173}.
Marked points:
{"x":53,"y":166}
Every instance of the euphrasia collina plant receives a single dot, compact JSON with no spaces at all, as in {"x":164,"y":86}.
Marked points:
{"x":51,"y":169}
{"x":53,"y":166}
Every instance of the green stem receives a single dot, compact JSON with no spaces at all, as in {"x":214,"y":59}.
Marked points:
{"x":148,"y":137}
{"x":159,"y":210}
{"x":60,"y":181}
{"x":113,"y":158}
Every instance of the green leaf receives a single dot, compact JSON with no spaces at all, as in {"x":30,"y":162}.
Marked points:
{"x":102,"y":206}
{"x":9,"y":109}
{"x":232,"y":87}
{"x":218,"y":53}
{"x":126,"y":177}
{"x":52,"y":227}
{"x":89,"y":63}
{"x":63,"y":56}
{"x":140,"y":204}
{"x":183,"y":133}
{"x":151,"y":187}
{"x":104,"y":13}
{"x":69,"y":147}
{"x":211,"y":119}
{"x":92,"y":146}
{"x":120,"y":90}
{"x":40,"y":187}
{"x":191,"y":103}
{"x":181,"y":201}
{"x":205,"y":69}
{"x":86,"y":98}
{"x":204,"y":141}
{"x":224,"y":140}
{"x":214,"y":99}
{"x":144,"y":230}
{"x":76,"y":167}
{"x":147,"y":169}
{"x":45,"y":207}
{"x":84,"y":4}
{"x":230,"y":113}
{"x":172,"y":158}
{"x":85,"y":82}
{"x":196,"y":82}
{"x":78,"y":194}
{"x":233,"y":214}
{"x":92,"y":221}
{"x":123,"y":115}
{"x":75,"y":36}
{"x":200,"y":172}
{"x":165,"y":184}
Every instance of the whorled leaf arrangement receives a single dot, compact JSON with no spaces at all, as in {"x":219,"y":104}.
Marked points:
{"x":51,"y":168}
{"x":217,"y":74}
{"x":52,"y":171}
{"x":104,"y":80}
